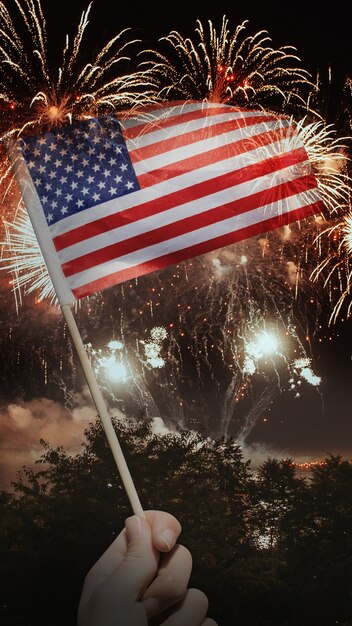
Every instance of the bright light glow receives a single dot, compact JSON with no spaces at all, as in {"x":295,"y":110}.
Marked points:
{"x":114,"y":344}
{"x":310,"y":377}
{"x":304,"y":367}
{"x":115,"y":370}
{"x":265,"y":344}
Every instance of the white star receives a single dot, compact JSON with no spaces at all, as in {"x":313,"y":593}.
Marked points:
{"x":64,"y":210}
{"x":68,"y":197}
{"x":112,"y":191}
{"x":96,"y":197}
{"x":123,"y":167}
{"x":79,"y":203}
{"x":85,"y":191}
{"x":129,"y":185}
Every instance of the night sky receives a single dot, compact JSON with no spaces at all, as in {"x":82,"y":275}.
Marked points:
{"x":307,"y":428}
{"x":320,"y":35}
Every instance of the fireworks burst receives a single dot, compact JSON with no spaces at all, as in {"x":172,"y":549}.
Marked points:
{"x":229,"y":66}
{"x":335,"y":264}
{"x":33,"y":96}
{"x":25,"y":261}
{"x":74,"y":90}
{"x":334,"y":241}
{"x":245,"y":70}
{"x":123,"y":368}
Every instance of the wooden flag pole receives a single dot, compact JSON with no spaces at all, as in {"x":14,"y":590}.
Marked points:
{"x":102,"y":411}
{"x":40,"y":227}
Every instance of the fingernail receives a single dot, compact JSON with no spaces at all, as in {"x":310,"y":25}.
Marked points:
{"x":151,"y":606}
{"x":133,"y":527}
{"x":168,"y":538}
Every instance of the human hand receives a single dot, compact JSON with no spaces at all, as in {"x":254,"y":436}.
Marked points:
{"x":142,"y":578}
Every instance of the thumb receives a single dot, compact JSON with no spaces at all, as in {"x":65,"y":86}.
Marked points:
{"x":140,"y":564}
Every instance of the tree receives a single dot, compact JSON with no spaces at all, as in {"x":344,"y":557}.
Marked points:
{"x":61,"y":518}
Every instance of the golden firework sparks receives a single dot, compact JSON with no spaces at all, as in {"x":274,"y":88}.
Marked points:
{"x":229,"y":66}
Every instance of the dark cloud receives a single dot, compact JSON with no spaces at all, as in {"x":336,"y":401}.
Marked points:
{"x":24,"y":423}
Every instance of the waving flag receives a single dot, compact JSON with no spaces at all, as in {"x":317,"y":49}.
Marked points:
{"x":112,"y":198}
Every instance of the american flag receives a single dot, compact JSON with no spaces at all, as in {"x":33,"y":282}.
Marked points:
{"x":115,"y":198}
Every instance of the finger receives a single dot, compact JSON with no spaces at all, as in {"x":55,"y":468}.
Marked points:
{"x":170,"y":585}
{"x":165,"y":529}
{"x":140,"y":563}
{"x":191,"y":611}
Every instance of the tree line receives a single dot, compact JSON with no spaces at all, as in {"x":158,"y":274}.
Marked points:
{"x":269,"y":546}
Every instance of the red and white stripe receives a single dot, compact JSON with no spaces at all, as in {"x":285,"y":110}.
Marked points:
{"x":210,"y":175}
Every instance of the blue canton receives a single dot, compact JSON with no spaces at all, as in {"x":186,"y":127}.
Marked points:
{"x":80,"y":166}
